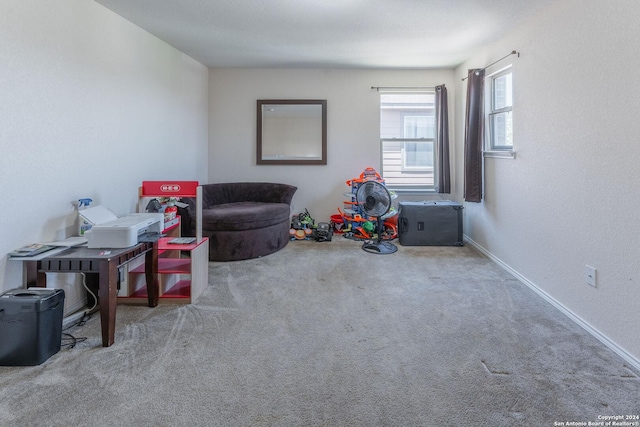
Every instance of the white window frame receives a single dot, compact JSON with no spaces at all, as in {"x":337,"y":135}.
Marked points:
{"x":491,"y":149}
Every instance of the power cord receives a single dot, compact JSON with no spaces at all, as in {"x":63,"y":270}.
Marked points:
{"x":80,"y":322}
{"x":69,"y":340}
{"x":95,"y":299}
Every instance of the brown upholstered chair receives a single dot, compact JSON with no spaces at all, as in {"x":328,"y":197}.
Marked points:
{"x":244,"y":220}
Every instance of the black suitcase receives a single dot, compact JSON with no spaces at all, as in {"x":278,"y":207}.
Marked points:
{"x":437,"y":223}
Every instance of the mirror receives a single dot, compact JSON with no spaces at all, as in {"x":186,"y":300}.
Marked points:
{"x":292,"y":132}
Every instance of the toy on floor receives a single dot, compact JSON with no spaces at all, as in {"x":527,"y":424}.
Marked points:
{"x":304,"y":227}
{"x":357,"y":224}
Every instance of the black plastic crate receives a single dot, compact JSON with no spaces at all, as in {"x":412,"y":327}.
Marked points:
{"x":30,"y":325}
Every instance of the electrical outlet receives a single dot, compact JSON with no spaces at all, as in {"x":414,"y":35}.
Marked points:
{"x":590,"y":275}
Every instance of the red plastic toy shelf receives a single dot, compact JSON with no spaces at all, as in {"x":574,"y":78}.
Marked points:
{"x":169,"y":265}
{"x":164,"y":245}
{"x":174,"y":264}
{"x":180,"y":290}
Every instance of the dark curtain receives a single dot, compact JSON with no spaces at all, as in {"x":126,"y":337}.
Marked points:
{"x":442,"y":140}
{"x":473,"y":136}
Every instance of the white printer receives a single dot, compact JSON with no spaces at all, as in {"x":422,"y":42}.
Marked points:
{"x":109,"y":231}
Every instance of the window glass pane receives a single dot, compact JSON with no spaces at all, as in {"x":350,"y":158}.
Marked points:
{"x":403,"y":115}
{"x":397,"y":175}
{"x":419,"y":126}
{"x":502,"y":92}
{"x":502,"y":129}
{"x":415,"y":126}
{"x":418,"y":154}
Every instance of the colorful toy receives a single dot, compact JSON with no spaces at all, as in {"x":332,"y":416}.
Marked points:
{"x":356,"y":223}
{"x":304,"y":227}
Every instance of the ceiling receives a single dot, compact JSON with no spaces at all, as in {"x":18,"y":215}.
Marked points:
{"x":328,"y":33}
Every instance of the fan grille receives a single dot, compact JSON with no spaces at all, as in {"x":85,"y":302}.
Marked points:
{"x":373,"y":198}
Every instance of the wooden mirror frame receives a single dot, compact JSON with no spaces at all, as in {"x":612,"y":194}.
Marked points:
{"x":293,"y":161}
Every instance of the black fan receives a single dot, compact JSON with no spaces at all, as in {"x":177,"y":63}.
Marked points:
{"x":374,"y":199}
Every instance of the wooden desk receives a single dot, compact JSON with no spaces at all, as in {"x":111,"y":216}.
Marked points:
{"x":101,"y":269}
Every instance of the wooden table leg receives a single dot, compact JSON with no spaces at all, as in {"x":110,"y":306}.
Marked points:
{"x":151,"y":275}
{"x":108,"y":297}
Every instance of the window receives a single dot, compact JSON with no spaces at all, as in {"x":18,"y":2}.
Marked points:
{"x":407,"y":135}
{"x":499,"y":124}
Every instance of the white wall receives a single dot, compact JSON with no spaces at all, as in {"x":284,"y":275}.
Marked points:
{"x":571,"y":196}
{"x":90,"y":106}
{"x":353,"y":130}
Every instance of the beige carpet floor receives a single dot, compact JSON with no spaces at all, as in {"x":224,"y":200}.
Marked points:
{"x":324,"y":334}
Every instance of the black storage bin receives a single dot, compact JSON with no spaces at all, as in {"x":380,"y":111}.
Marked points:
{"x":437,"y":223}
{"x":30,"y":325}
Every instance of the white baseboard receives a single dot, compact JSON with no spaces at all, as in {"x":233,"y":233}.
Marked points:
{"x":629,"y":358}
{"x":79,"y":305}
{"x":72,"y":319}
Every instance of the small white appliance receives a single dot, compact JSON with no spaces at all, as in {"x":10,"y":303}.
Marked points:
{"x":109,"y":231}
